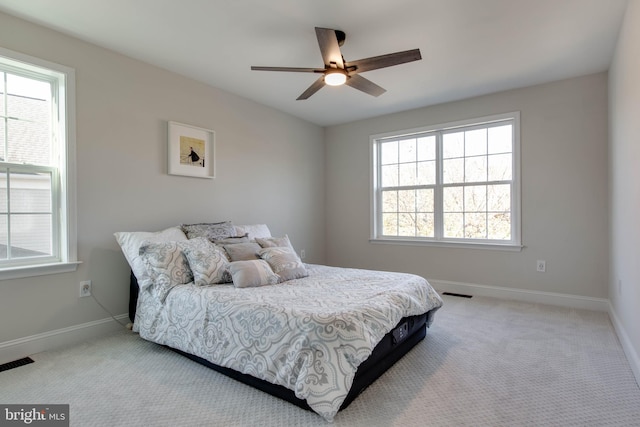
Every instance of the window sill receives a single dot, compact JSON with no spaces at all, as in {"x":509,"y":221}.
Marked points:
{"x":38,"y":270}
{"x":457,"y":245}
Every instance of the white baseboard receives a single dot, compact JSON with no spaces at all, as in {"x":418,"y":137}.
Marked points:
{"x":629,"y":351}
{"x":23,"y":347}
{"x":539,"y":297}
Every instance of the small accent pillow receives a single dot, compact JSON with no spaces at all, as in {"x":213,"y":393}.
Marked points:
{"x":130,"y":243}
{"x":284,"y":262}
{"x":167,"y":266}
{"x":252,"y":273}
{"x":243,"y":251}
{"x":231,"y":241}
{"x":275,"y":242}
{"x":211,"y":230}
{"x":207,"y":261}
{"x":254,"y":230}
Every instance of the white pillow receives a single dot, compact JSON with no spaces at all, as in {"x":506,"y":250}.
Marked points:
{"x":253,"y":231}
{"x":130,"y":243}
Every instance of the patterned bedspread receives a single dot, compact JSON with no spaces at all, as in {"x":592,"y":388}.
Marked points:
{"x":309,"y":335}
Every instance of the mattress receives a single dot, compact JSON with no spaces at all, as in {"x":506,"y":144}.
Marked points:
{"x":306,"y":335}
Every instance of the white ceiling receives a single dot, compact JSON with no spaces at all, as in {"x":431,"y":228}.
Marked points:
{"x":469,"y":47}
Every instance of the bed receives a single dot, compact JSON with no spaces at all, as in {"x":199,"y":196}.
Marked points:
{"x":316,"y":339}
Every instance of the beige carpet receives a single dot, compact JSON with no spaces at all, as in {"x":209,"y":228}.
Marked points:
{"x":485,"y":362}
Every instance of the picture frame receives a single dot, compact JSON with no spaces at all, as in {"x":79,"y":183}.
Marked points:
{"x":190,"y":151}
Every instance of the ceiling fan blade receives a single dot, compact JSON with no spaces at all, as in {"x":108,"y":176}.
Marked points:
{"x":356,"y":81}
{"x":292,"y":69}
{"x":329,"y":47}
{"x":383,"y":61}
{"x":316,"y":86}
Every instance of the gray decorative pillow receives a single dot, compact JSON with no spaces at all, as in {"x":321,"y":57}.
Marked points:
{"x":274,"y":242}
{"x":252,"y":273}
{"x":167,"y":266}
{"x":243,"y":251}
{"x":211,"y":230}
{"x":207,"y":261}
{"x":284,"y":262}
{"x":233,"y":240}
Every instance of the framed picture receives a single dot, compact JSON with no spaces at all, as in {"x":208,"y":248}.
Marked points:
{"x":191,"y":151}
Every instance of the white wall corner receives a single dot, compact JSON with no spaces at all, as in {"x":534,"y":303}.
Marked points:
{"x":629,"y":351}
{"x":23,"y":347}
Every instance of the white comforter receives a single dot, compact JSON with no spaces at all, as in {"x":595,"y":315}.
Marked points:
{"x":308,"y":335}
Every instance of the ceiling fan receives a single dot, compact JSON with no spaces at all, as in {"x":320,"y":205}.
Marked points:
{"x":337,"y":71}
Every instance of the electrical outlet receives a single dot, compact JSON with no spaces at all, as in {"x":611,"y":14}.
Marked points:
{"x":541,"y":265}
{"x":303,"y":254}
{"x":85,"y":288}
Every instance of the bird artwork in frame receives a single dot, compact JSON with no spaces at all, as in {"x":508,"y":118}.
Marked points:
{"x":191,"y":151}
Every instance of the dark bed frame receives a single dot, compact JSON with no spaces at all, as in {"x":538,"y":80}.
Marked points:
{"x":393,"y":346}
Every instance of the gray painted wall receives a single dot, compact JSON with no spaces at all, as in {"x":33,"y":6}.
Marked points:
{"x":267,"y":158}
{"x":624,"y":184}
{"x":270,"y":169}
{"x":564,"y":192}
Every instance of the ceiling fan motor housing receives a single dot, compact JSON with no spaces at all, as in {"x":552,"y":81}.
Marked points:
{"x":335,"y":76}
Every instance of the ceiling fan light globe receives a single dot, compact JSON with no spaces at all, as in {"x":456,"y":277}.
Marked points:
{"x":335,"y":79}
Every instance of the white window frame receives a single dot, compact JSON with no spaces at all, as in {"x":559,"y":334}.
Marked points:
{"x":64,"y":228}
{"x":515,"y":244}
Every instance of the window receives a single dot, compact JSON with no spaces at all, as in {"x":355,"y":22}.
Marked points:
{"x":37,"y":198}
{"x":452,"y":184}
